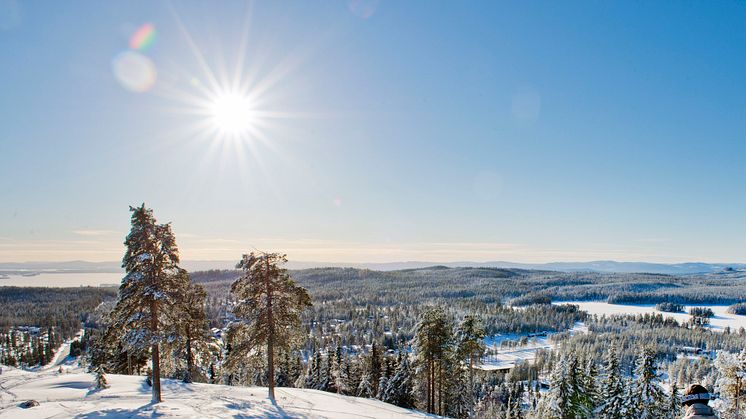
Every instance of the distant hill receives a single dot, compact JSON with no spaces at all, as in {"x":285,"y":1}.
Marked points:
{"x":593,"y":266}
{"x":611,"y":266}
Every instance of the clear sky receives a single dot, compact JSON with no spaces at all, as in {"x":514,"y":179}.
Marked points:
{"x":378,"y":131}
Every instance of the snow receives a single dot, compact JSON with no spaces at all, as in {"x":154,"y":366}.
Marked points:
{"x":71,"y":395}
{"x":508,"y":356}
{"x":63,"y":352}
{"x":718,"y":323}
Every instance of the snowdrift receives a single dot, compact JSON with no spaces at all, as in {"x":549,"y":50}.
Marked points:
{"x":70,"y":394}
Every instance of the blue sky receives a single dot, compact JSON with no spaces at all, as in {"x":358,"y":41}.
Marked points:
{"x":383,"y":131}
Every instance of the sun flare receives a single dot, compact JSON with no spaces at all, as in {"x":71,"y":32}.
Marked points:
{"x":232,"y":114}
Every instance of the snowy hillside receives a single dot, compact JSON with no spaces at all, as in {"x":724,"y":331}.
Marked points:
{"x":69,"y":394}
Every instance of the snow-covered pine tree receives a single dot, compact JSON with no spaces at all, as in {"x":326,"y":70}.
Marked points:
{"x":613,"y":400}
{"x":673,"y":410}
{"x":458,"y":398}
{"x":590,"y":385}
{"x":400,"y":388}
{"x":101,"y":382}
{"x":191,"y":323}
{"x":338,"y":381}
{"x":470,"y":343}
{"x":268,"y":307}
{"x":375,"y":366}
{"x":365,"y":388}
{"x":313,"y":374}
{"x":282,"y":372}
{"x":325,"y":380}
{"x":556,"y":404}
{"x":648,"y":399}
{"x":352,"y":375}
{"x":151,"y":287}
{"x":433,"y":338}
{"x":730,"y":383}
{"x":581,"y":403}
{"x":515,"y":399}
{"x":382,"y":385}
{"x":344,"y":375}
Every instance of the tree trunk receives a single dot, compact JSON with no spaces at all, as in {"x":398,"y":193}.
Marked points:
{"x":156,"y":358}
{"x":440,"y":389}
{"x":189,"y":359}
{"x":270,"y":336}
{"x":431,"y":386}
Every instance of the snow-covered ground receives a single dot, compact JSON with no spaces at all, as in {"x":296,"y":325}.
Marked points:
{"x":721,"y":320}
{"x":507,"y":357}
{"x":70,"y":394}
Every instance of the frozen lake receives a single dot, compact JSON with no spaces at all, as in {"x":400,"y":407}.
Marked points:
{"x":64,"y":279}
{"x":721,"y":320}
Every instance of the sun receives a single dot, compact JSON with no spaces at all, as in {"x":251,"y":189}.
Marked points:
{"x":232,"y":114}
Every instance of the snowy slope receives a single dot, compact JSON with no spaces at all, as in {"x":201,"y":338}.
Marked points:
{"x":69,"y":395}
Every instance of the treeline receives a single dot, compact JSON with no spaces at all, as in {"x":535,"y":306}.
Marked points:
{"x":669,"y":307}
{"x":34,"y":321}
{"x":738,"y":308}
{"x":62,"y":308}
{"x":489,"y":285}
{"x":28,"y":346}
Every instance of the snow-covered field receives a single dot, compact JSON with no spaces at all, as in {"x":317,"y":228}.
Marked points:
{"x":70,"y":395}
{"x":721,"y":320}
{"x":508,"y":357}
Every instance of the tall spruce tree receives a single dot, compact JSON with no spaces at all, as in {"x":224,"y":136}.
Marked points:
{"x":470,"y":345}
{"x":647,"y":396}
{"x":192,"y":325}
{"x":151,"y":288}
{"x":557,"y":402}
{"x":433,"y":338}
{"x":613,"y":399}
{"x":674,"y":404}
{"x":268,"y":307}
{"x":400,"y":388}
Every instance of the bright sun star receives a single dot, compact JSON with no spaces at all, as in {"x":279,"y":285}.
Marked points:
{"x":232,"y":114}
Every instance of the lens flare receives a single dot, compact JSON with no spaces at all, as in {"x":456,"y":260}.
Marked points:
{"x":134,"y":71}
{"x":143,"y":38}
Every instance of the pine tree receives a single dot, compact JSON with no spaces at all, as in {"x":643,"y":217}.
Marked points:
{"x":647,"y":396}
{"x":730,"y":382}
{"x":101,"y":382}
{"x":365,"y":388}
{"x":556,"y":404}
{"x":344,"y":377}
{"x":612,"y":390}
{"x":400,"y":388}
{"x":459,"y":401}
{"x":151,"y":287}
{"x":374,"y":367}
{"x":325,"y":379}
{"x":470,"y":343}
{"x":191,"y":324}
{"x":382,"y":385}
{"x":433,"y":336}
{"x":313,"y":376}
{"x":268,"y":306}
{"x":674,"y":404}
{"x":590,"y":385}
